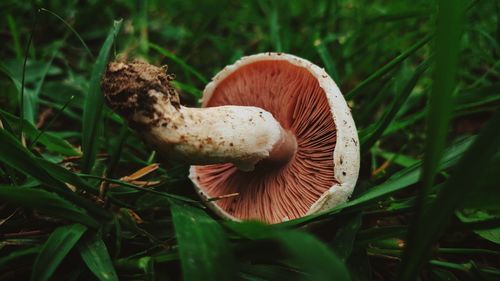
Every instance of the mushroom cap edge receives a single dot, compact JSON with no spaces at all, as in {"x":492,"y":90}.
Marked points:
{"x":346,"y":155}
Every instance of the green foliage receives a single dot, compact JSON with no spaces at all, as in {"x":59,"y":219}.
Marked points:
{"x":95,"y":255}
{"x":203,"y":247}
{"x":94,"y":103}
{"x":55,"y":249}
{"x":422,"y":82}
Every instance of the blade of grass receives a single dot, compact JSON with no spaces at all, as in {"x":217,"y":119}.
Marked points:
{"x":33,"y":98}
{"x":126,"y":184}
{"x":14,"y":155}
{"x":51,"y":142}
{"x":313,"y":257}
{"x":303,"y":250}
{"x":17,"y":256}
{"x":11,"y":23}
{"x":325,"y":56}
{"x":372,"y":134}
{"x":193,"y":91}
{"x":46,"y":202}
{"x":41,"y":132}
{"x":22,"y":105}
{"x":66,"y":176}
{"x":186,"y":67}
{"x":388,"y":67}
{"x":95,"y":255}
{"x":472,"y":166}
{"x":274,"y":27}
{"x":55,"y":249}
{"x":447,"y":48}
{"x":258,"y":272}
{"x":204,"y":250}
{"x":70,"y":28}
{"x":92,"y":111}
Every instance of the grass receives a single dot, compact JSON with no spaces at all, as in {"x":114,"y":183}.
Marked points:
{"x":422,"y":80}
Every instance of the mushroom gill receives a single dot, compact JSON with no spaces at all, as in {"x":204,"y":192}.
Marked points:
{"x":286,"y":191}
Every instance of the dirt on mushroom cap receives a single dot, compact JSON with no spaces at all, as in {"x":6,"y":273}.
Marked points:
{"x":126,"y":87}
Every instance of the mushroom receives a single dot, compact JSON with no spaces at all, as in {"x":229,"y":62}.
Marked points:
{"x":274,"y":130}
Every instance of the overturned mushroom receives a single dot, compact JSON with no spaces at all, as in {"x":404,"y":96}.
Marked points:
{"x":274,"y":128}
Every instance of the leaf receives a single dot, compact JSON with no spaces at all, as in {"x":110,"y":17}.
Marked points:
{"x":313,"y":257}
{"x":203,"y":247}
{"x":17,"y":256}
{"x":386,"y":68}
{"x":327,"y":60}
{"x":370,"y":135}
{"x":95,"y":255}
{"x":46,"y":202}
{"x":66,"y":176}
{"x":345,"y":236}
{"x":92,"y":110}
{"x":304,"y":251}
{"x":186,"y":67}
{"x":443,"y":275}
{"x":359,"y":265}
{"x":259,"y":272}
{"x":477,"y":215}
{"x":192,"y":90}
{"x":13,"y":154}
{"x":55,"y":249}
{"x":446,"y":49}
{"x":50,"y":141}
{"x":454,"y":191}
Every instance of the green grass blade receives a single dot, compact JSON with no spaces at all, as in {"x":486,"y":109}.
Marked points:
{"x":303,"y":250}
{"x":454,"y":192}
{"x":55,"y":249}
{"x":18,"y":256}
{"x":203,"y":247}
{"x":50,"y":141}
{"x":327,"y":60}
{"x":149,"y":190}
{"x":313,"y":257}
{"x":94,"y":102}
{"x":46,"y":202}
{"x":67,"y":176}
{"x":258,"y":272}
{"x":11,"y":23}
{"x":193,"y":91}
{"x":274,"y":27}
{"x":447,"y":48}
{"x":13,"y":154}
{"x":186,"y":67}
{"x":42,"y":131}
{"x":369,"y":136}
{"x":344,"y":238}
{"x":388,"y":67}
{"x":95,"y":255}
{"x":25,"y":102}
{"x":70,"y":28}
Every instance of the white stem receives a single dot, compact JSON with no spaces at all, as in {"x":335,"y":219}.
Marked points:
{"x":241,"y":135}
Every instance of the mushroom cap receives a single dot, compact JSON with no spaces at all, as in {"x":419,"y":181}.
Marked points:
{"x":308,"y":103}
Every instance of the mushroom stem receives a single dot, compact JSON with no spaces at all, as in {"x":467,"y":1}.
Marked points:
{"x":242,"y":135}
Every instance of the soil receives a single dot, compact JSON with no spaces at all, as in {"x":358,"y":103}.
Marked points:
{"x":126,"y":85}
